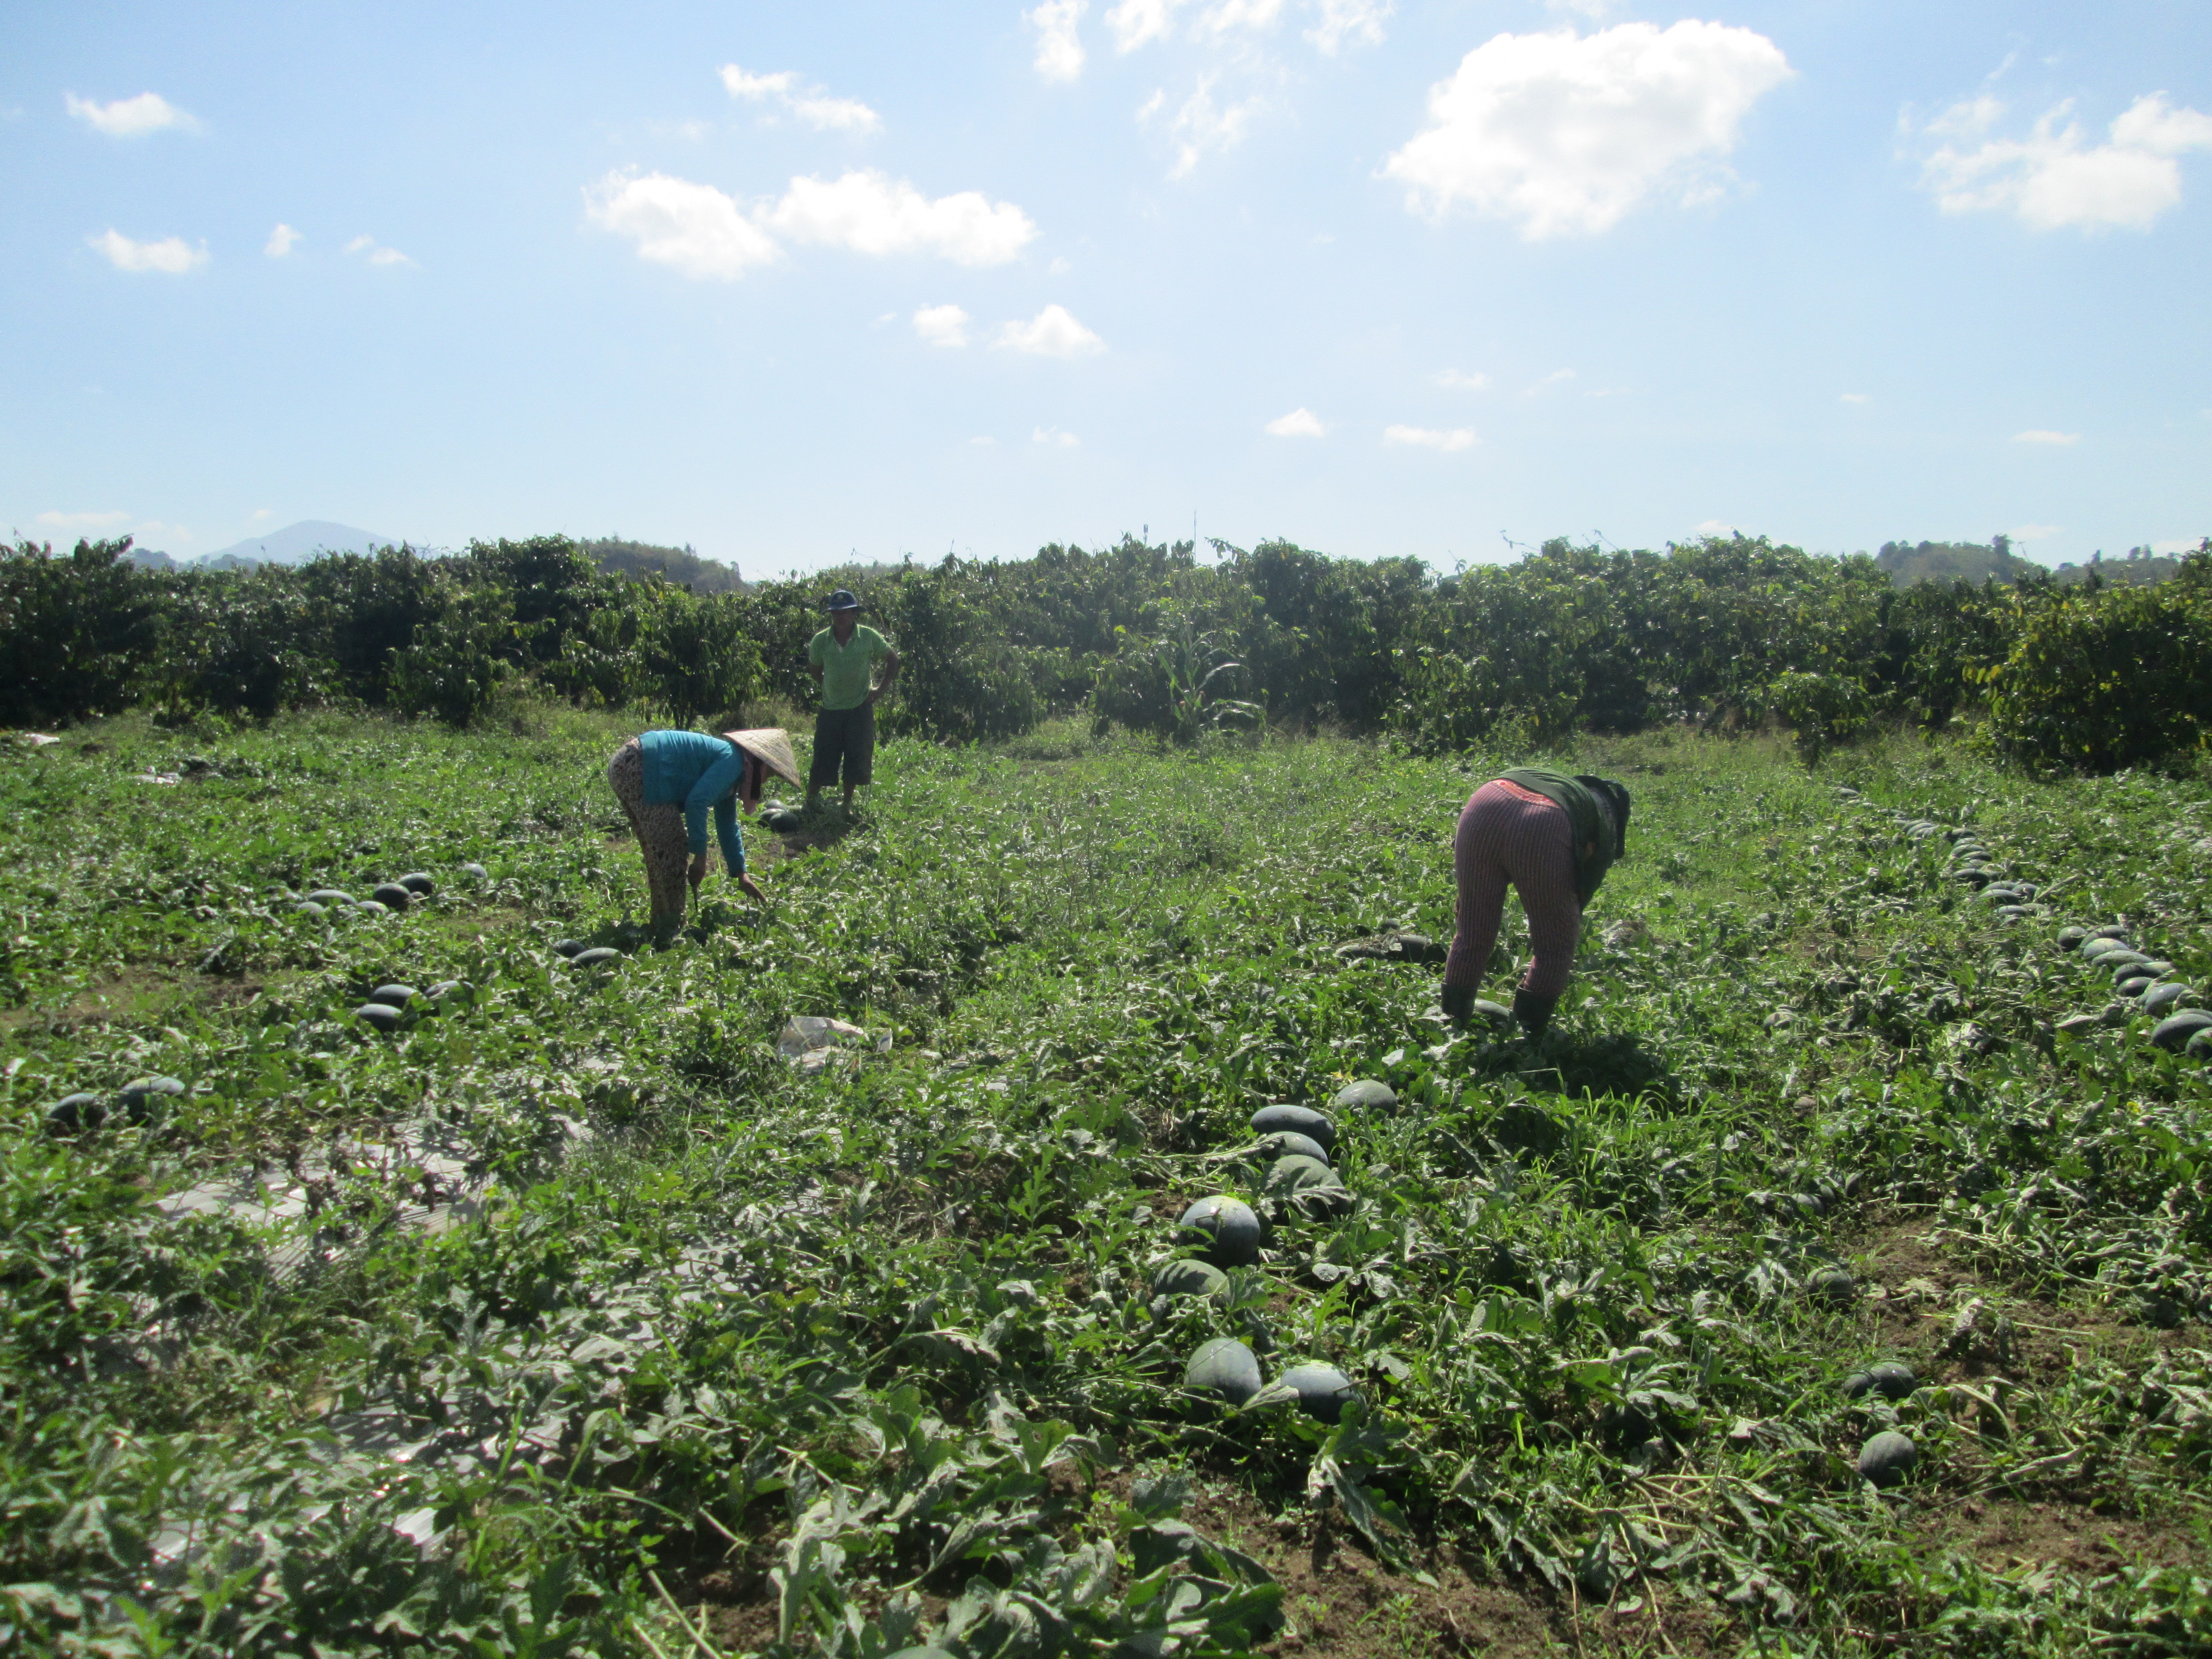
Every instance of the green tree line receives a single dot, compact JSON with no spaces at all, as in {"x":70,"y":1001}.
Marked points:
{"x":1724,"y":631}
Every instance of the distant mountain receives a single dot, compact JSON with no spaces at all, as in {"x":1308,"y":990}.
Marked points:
{"x":294,"y":544}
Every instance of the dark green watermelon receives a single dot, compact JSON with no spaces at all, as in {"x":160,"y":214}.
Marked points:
{"x":1288,"y":1143}
{"x":417,"y":883}
{"x":569,"y":947}
{"x":475,"y":872}
{"x":392,"y":896}
{"x":1322,"y":1389}
{"x":2069,"y":937}
{"x":600,"y":957}
{"x":1224,"y":1366}
{"x":380,"y":1016}
{"x":396,"y":996}
{"x":1832,"y":1284}
{"x":310,"y":909}
{"x":1323,"y":1203}
{"x":72,"y":1113}
{"x":1190,"y":1279}
{"x":2176,"y":1030}
{"x":1887,"y":1458}
{"x":1295,"y":1174}
{"x":370,"y":907}
{"x":1890,"y":1380}
{"x":1296,"y":1119}
{"x":1367,"y":1095}
{"x":451,"y":994}
{"x":1227,"y":1227}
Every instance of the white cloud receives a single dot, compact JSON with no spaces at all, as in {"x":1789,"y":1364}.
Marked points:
{"x":816,"y":108}
{"x":1349,"y":20}
{"x":703,"y":233}
{"x":81,"y":521}
{"x":378,"y":254}
{"x":872,"y":213}
{"x":1152,"y":105}
{"x":1054,"y":437}
{"x":1556,"y":377}
{"x":1596,"y":10}
{"x":694,"y":227}
{"x":2043,"y":436}
{"x":1452,"y":380}
{"x":942,"y":325}
{"x":2034,"y":532}
{"x":1227,"y":15}
{"x":1201,"y":127}
{"x":2184,"y":545}
{"x":171,"y":256}
{"x":2053,"y":179}
{"x":281,"y":240}
{"x":1300,"y":423}
{"x":1714,"y":527}
{"x":130,"y":118}
{"x":260,"y":513}
{"x":1564,"y":134}
{"x":1136,"y":22}
{"x":1422,"y":437}
{"x":1855,"y":397}
{"x":1060,"y":47}
{"x":1051,"y":333}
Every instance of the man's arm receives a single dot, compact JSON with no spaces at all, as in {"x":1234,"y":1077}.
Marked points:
{"x":890,"y":660}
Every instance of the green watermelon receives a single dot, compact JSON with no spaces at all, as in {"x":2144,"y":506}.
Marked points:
{"x":1295,"y":1174}
{"x":2177,"y":1030}
{"x":1322,"y":1389}
{"x":418,"y":884}
{"x":1297,"y":1119}
{"x":600,"y":957}
{"x":1367,"y":1095}
{"x":1889,"y":1380}
{"x":396,"y":996}
{"x":1288,"y":1143}
{"x":74,"y":1112}
{"x":1887,"y":1458}
{"x":1190,"y":1279}
{"x":1224,"y":1366}
{"x":379,"y":1015}
{"x":1228,"y":1229}
{"x":329,"y":895}
{"x":392,"y":896}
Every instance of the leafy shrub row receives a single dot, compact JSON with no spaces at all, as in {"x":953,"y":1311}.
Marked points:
{"x":1721,"y":630}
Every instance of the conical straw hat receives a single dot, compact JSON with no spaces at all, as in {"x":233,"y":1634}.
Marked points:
{"x":772,"y":744}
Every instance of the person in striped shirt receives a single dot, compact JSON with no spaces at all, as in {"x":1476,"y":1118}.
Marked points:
{"x":1552,"y":837}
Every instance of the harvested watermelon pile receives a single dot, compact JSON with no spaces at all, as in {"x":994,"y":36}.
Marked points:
{"x":1063,"y":1224}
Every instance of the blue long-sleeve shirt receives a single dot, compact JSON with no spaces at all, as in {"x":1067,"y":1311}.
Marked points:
{"x":693,"y":770}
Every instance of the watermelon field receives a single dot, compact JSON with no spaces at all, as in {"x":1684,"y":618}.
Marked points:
{"x":1832,"y":1279}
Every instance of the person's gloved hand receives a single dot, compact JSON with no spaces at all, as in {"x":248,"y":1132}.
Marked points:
{"x":1534,"y":1012}
{"x":1459,"y":1002}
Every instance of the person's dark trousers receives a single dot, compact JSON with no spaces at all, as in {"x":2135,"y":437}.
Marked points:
{"x":844,"y":741}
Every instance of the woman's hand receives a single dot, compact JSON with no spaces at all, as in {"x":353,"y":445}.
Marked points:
{"x":752,"y":889}
{"x":697,"y":873}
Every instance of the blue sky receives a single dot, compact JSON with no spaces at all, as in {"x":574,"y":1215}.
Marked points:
{"x":790,"y":283}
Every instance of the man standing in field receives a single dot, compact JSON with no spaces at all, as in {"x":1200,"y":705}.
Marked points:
{"x":843,"y":658}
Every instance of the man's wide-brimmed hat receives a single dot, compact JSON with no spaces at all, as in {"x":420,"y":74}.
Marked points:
{"x":842,"y":600}
{"x":771,"y":745}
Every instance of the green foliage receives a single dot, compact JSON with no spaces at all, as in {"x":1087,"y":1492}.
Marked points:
{"x":830,"y":1365}
{"x":456,"y":659}
{"x":695,"y":656}
{"x":2104,"y":679}
{"x":1820,"y":709}
{"x":1726,"y":631}
{"x":75,"y":632}
{"x":1167,"y":685}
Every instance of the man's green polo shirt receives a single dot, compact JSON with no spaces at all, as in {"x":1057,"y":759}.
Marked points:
{"x":847,"y":669}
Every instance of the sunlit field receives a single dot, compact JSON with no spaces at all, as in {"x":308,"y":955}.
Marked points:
{"x":570,"y":1316}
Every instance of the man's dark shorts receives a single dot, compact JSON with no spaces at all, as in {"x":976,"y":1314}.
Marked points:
{"x":845,"y":735}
